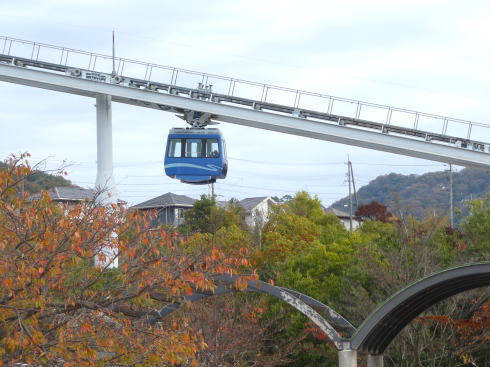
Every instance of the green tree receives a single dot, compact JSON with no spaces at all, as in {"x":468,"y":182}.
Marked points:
{"x":207,"y":217}
{"x":306,"y":250}
{"x":477,"y":230}
{"x":393,"y":255}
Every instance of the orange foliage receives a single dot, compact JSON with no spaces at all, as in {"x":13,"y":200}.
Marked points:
{"x":56,"y":305}
{"x":471,"y":333}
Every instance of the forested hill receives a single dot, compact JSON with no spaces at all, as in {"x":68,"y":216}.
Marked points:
{"x":419,"y":194}
{"x":38,"y":181}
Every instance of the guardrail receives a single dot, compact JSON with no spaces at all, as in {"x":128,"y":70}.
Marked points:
{"x":246,"y":89}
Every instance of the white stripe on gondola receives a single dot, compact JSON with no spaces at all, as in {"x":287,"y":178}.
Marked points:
{"x":209,"y":167}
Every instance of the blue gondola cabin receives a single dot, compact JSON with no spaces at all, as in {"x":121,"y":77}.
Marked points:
{"x":196,"y":156}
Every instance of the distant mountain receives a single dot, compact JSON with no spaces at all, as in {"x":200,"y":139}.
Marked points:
{"x":421,"y":194}
{"x":43,"y":181}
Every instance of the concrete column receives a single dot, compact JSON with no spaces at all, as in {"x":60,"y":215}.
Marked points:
{"x":347,"y":358}
{"x":105,"y":177}
{"x":375,"y":361}
{"x":104,"y":183}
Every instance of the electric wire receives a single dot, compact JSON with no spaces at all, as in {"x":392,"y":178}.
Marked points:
{"x":123,"y":164}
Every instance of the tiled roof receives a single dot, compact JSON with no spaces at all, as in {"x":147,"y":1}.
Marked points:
{"x":170,"y":199}
{"x":250,"y":203}
{"x":221,"y":204}
{"x":338,"y":213}
{"x":166,"y":200}
{"x":63,"y":193}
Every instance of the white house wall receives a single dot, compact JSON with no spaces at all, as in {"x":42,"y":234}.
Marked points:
{"x":260,"y":214}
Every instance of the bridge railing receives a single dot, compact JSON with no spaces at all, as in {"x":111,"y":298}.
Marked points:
{"x":387,"y":115}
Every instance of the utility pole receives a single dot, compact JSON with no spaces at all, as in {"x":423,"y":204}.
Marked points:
{"x":451,"y":211}
{"x":353,"y":184}
{"x":350,"y":194}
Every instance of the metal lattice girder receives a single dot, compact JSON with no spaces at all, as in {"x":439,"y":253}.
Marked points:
{"x":379,"y":329}
{"x":295,"y":299}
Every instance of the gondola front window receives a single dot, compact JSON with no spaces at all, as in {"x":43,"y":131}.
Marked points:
{"x":212,"y":148}
{"x":193,"y":148}
{"x":175,"y":149}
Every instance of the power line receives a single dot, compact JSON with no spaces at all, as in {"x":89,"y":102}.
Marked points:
{"x":124,"y":164}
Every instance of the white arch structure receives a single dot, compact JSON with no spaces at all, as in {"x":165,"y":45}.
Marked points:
{"x":378,"y":330}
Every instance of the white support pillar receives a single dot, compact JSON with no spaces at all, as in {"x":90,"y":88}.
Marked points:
{"x":347,"y":358}
{"x":375,"y":360}
{"x":105,"y":177}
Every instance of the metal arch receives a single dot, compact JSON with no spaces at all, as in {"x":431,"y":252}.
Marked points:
{"x":195,"y":296}
{"x":379,"y":329}
{"x":279,"y":292}
{"x":337,"y":320}
{"x":295,"y":299}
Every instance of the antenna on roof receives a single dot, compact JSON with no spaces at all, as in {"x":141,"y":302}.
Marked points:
{"x":114,"y":77}
{"x":113,"y":56}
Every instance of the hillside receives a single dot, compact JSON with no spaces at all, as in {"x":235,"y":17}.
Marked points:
{"x":43,"y":181}
{"x":419,"y":194}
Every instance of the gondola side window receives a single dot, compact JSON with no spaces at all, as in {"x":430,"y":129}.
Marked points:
{"x":175,"y":149}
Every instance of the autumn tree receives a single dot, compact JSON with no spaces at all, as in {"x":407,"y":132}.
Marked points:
{"x":374,"y":211}
{"x":239,"y":331}
{"x":235,"y":328}
{"x":393,"y":255}
{"x":467,"y":326}
{"x":57,"y":307}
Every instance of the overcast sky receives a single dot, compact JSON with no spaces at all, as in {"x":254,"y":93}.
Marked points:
{"x":430,"y":56}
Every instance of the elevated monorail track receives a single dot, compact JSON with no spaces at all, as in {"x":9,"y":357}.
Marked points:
{"x":223,"y":99}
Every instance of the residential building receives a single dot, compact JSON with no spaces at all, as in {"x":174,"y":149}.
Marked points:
{"x":344,"y":218}
{"x":68,"y":195}
{"x":257,"y":210}
{"x":169,"y":208}
{"x":71,"y":195}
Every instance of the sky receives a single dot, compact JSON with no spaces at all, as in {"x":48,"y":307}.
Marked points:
{"x":429,"y":56}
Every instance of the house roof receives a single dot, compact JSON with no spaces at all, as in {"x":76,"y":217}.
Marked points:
{"x":251,"y":203}
{"x":166,"y":200}
{"x":221,"y":203}
{"x":170,"y":199}
{"x":338,"y":213}
{"x":64,"y":193}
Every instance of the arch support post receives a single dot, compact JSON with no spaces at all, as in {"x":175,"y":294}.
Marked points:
{"x":375,"y":360}
{"x":347,"y":358}
{"x":104,"y":183}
